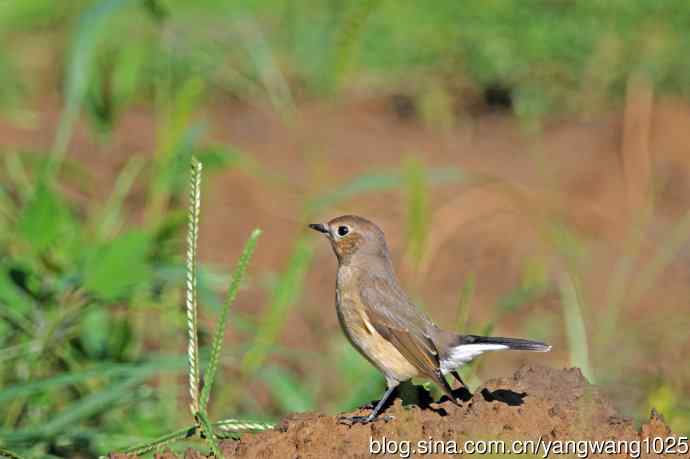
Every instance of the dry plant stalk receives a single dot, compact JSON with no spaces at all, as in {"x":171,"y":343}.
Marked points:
{"x":635,"y":152}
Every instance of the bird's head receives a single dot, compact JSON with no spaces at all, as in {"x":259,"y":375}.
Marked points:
{"x":353,"y":237}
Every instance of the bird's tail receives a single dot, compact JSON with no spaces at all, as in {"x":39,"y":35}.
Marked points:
{"x":517,"y":344}
{"x":465,"y":348}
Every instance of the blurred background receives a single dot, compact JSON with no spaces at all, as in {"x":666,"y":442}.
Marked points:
{"x":528,"y":161}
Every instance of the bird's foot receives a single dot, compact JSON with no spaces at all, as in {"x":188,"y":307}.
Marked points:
{"x":352,"y":420}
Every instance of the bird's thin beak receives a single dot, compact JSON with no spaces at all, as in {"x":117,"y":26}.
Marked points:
{"x":320,"y":227}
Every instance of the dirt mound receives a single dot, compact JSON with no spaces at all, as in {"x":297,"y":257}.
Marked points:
{"x":535,"y":403}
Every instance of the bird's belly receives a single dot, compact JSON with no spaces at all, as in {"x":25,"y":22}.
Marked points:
{"x":375,"y":348}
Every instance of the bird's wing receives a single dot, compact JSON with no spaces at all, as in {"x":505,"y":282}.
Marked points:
{"x":396,"y":319}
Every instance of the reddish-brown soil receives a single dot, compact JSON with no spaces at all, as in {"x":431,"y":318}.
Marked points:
{"x":535,"y":403}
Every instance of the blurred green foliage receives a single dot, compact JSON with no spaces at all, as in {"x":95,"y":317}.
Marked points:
{"x":549,"y":52}
{"x":87,"y":298}
{"x":73,"y":302}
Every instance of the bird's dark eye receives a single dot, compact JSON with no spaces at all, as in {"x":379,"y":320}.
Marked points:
{"x":343,"y":230}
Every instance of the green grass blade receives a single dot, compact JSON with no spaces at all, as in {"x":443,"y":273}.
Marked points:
{"x":284,"y":295}
{"x":21,"y":350}
{"x":15,"y":318}
{"x":110,"y":370}
{"x":209,"y":433}
{"x":620,"y":278}
{"x":575,"y":326}
{"x":162,"y":441}
{"x":18,"y":175}
{"x":192,"y":272}
{"x":348,"y":36}
{"x":287,"y":389}
{"x":668,"y":251}
{"x":226,"y":426}
{"x":269,"y":72}
{"x":417,"y":208}
{"x":219,"y":335}
{"x":239,"y":425}
{"x":379,"y":181}
{"x":111,"y":215}
{"x":91,"y":24}
{"x":465,"y":304}
{"x":362,"y":184}
{"x":9,"y":454}
{"x":73,"y":414}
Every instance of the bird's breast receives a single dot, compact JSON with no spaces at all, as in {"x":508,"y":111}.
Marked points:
{"x":353,"y":318}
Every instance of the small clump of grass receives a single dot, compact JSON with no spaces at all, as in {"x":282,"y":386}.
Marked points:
{"x":200,"y":395}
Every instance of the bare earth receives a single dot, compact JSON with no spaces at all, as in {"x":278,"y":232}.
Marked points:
{"x":536,"y":402}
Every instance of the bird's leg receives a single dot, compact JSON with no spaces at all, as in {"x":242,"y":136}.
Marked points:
{"x":367,"y":419}
{"x":462,"y":383}
{"x":459,"y":379}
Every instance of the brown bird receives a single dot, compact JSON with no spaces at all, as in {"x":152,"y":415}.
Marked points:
{"x":383,"y":324}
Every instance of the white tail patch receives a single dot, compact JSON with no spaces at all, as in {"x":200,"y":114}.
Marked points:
{"x":465,"y":353}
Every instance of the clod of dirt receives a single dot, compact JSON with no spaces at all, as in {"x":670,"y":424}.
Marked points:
{"x":535,"y":403}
